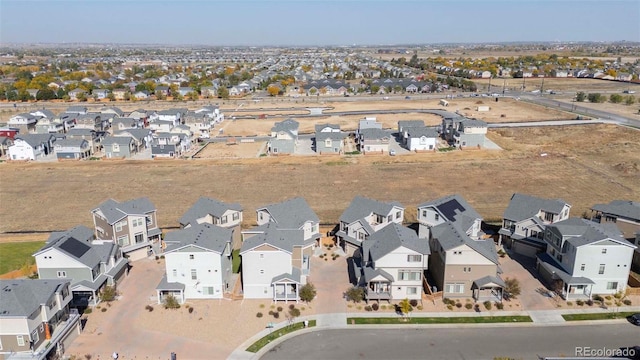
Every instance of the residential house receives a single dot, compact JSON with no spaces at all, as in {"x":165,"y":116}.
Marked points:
{"x":80,"y":110}
{"x":329,"y":139}
{"x":31,"y":146}
{"x":292,"y":214}
{"x":373,"y":141}
{"x":33,"y":93}
{"x":525,"y":220}
{"x":174,"y":115}
{"x":214,"y":212}
{"x":9,"y":132}
{"x":24,"y":122}
{"x":403,"y":125}
{"x":284,"y":137}
{"x":76,"y":94}
{"x":142,"y":137}
{"x":585,"y":258}
{"x":209,"y":91}
{"x":119,"y":146}
{"x":122,"y":123}
{"x":35,"y":319}
{"x":626,"y":215}
{"x":185,"y":90}
{"x":462,"y":132}
{"x":5,"y":143}
{"x":394,"y":262}
{"x":141,"y":95}
{"x":90,"y":135}
{"x":92,"y":121}
{"x":133,"y":225}
{"x":169,"y":145}
{"x":73,"y":255}
{"x":199,"y":123}
{"x":451,"y":208}
{"x":421,"y":138}
{"x":362,"y":219}
{"x":75,"y":149}
{"x":100,"y":94}
{"x":197,"y":262}
{"x":120,"y":94}
{"x":47,"y":125}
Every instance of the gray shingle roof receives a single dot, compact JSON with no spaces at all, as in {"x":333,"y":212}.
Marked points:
{"x":319,"y":127}
{"x":416,"y":132}
{"x":392,"y":237}
{"x":295,"y":275}
{"x":114,"y":211}
{"x":337,"y":136}
{"x":449,"y":235}
{"x":35,"y":139}
{"x":292,"y":213}
{"x":583,"y":232}
{"x":79,"y":232}
{"x":374,"y":134}
{"x":522,"y":207}
{"x":205,"y":206}
{"x":284,"y":239}
{"x":473,"y":123}
{"x":120,"y":140}
{"x":138,"y":134}
{"x":23,"y":297}
{"x":454,"y":208}
{"x":403,"y":124}
{"x":286,"y":125}
{"x":71,"y":142}
{"x":361,"y":206}
{"x":207,"y":236}
{"x":623,"y":208}
{"x":82,"y":251}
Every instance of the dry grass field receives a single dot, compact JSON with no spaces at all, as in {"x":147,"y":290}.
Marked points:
{"x":631,"y":111}
{"x":236,"y":151}
{"x":584,"y":165}
{"x":572,"y":85}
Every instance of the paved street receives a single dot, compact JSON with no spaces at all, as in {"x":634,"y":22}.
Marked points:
{"x":454,"y":343}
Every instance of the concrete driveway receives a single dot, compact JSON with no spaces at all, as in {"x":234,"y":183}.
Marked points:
{"x":523,"y":268}
{"x":331,"y":281}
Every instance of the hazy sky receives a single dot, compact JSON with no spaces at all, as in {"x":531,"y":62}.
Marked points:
{"x":315,"y":22}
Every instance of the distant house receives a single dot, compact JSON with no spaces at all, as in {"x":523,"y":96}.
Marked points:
{"x":372,"y":140}
{"x":329,"y":139}
{"x":214,"y":212}
{"x":75,"y":149}
{"x":24,"y":122}
{"x":119,"y":94}
{"x":75,"y":94}
{"x":284,"y":137}
{"x":403,"y":125}
{"x":141,"y":95}
{"x":464,"y":132}
{"x":31,"y":146}
{"x":142,"y":137}
{"x":421,"y":138}
{"x":90,"y":135}
{"x":525,"y":220}
{"x":199,"y":124}
{"x":133,"y":225}
{"x":49,"y":126}
{"x":184,"y":91}
{"x":119,"y":146}
{"x":100,"y":94}
{"x":169,"y":145}
{"x":35,"y":318}
{"x":197,"y":262}
{"x":451,"y":208}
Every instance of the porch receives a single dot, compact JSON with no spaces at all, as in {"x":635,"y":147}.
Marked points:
{"x":377,"y":284}
{"x":488,"y":288}
{"x":286,"y":287}
{"x":166,"y":289}
{"x":572,"y":287}
{"x":86,"y":293}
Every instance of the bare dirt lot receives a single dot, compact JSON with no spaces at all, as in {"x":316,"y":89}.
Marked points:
{"x":239,"y":150}
{"x":584,"y":165}
{"x":572,"y":85}
{"x":632,"y":111}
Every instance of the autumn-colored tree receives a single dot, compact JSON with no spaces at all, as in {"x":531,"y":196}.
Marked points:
{"x":273,"y":90}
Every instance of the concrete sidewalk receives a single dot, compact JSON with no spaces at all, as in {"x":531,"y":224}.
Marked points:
{"x":339,"y":321}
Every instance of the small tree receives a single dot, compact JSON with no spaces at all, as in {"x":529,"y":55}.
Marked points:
{"x":111,"y":97}
{"x":355,"y":294}
{"x":630,"y":100}
{"x":581,"y":96}
{"x":170,"y":302}
{"x":405,"y":307}
{"x":273,"y":90}
{"x":223,"y":93}
{"x":512,"y":287}
{"x":616,"y":98}
{"x":108,"y":294}
{"x":595,"y":98}
{"x":193,"y":96}
{"x":307,"y":292}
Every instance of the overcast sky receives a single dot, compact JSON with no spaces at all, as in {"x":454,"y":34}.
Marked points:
{"x":315,"y":22}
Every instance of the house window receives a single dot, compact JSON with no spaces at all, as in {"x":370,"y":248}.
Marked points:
{"x":260,"y":216}
{"x":119,"y":226}
{"x":454,"y":288}
{"x":115,"y":148}
{"x":235,"y":216}
{"x":360,"y":236}
{"x":406,"y":275}
{"x":208,"y":290}
{"x":34,"y":336}
{"x":174,"y":272}
{"x":412,"y":290}
{"x":194,"y":274}
{"x":139,"y":238}
{"x":224,"y":219}
{"x":601,"y":269}
{"x":62,"y":274}
{"x":261,"y":272}
{"x":149,"y":220}
{"x":424,"y":213}
{"x":582,"y":267}
{"x":612,"y":285}
{"x":379,"y":219}
{"x":190,"y":256}
{"x":398,"y":214}
{"x":123,"y":240}
{"x":389,"y":218}
{"x":548,"y":217}
{"x":414,"y":258}
{"x":437,"y":217}
{"x":604,"y":251}
{"x":20,"y":340}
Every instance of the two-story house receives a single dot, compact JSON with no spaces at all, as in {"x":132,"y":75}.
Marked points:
{"x":626,"y":215}
{"x":133,"y":225}
{"x":451,"y":208}
{"x":119,"y":146}
{"x":35,"y":318}
{"x":197,"y":262}
{"x":292,"y":214}
{"x":199,"y":124}
{"x":404,"y":125}
{"x":373,"y":141}
{"x":212,"y":211}
{"x":525,"y":219}
{"x":73,"y":255}
{"x":284,"y":137}
{"x":394,"y":261}
{"x":329,"y":139}
{"x":420,"y":138}
{"x":71,"y":148}
{"x":585,"y":258}
{"x":463,"y":132}
{"x":362,"y":219}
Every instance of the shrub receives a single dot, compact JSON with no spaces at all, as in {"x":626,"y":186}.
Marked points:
{"x":103,"y":309}
{"x":597,"y":298}
{"x":190,"y":310}
{"x":108,"y":294}
{"x":617,"y":295}
{"x":88,"y":311}
{"x":512,"y":288}
{"x":419,"y":307}
{"x":149,"y":308}
{"x":367,"y":308}
{"x":157,"y":257}
{"x":459,"y":305}
{"x":450,"y":307}
{"x":413,"y":302}
{"x":294,"y":312}
{"x":487,"y":305}
{"x":261,"y":306}
{"x":359,"y":307}
{"x":291,"y":307}
{"x":608,"y":297}
{"x":626,"y":302}
{"x":579,"y":302}
{"x":302,"y":308}
{"x":276,"y":315}
{"x":468,"y":306}
{"x":499,"y":305}
{"x":279,"y":308}
{"x":383,"y":307}
{"x":589,"y":302}
{"x":170,"y":302}
{"x":307,"y":292}
{"x":375,"y":306}
{"x":259,"y":315}
{"x":355,"y":294}
{"x":476,"y":307}
{"x":569,"y":303}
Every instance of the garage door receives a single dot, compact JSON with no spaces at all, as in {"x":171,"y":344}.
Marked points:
{"x":525,"y":249}
{"x":138,"y":254}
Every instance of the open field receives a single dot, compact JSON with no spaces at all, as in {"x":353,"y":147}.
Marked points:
{"x":237,"y":151}
{"x":584,"y":165}
{"x":16,"y":254}
{"x":572,"y":85}
{"x":631,"y":111}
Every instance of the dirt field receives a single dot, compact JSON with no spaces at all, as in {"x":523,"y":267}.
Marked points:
{"x":584,"y":165}
{"x":632,"y":111}
{"x":572,"y":85}
{"x":237,"y":151}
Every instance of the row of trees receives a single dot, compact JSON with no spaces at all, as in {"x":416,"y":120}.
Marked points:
{"x":599,"y":98}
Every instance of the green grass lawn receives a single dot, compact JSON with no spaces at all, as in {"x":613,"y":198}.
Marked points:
{"x":14,"y":255}
{"x":235,"y":261}
{"x":597,"y":316}
{"x":256,"y":346}
{"x":439,"y":320}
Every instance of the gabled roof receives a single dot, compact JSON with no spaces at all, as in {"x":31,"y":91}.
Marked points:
{"x":416,"y":132}
{"x":392,"y":237}
{"x":20,"y":298}
{"x":584,"y":232}
{"x":120,"y":140}
{"x":205,"y":206}
{"x":361,"y":206}
{"x":138,"y":134}
{"x":522,"y":207}
{"x":454,"y":208}
{"x":79,"y":232}
{"x":449,"y":235}
{"x":81,"y":251}
{"x":622,"y":208}
{"x":283,"y":239}
{"x":292,"y":213}
{"x":206,"y":236}
{"x":374,"y":134}
{"x":288,"y":125}
{"x":294,"y":276}
{"x":473,"y":123}
{"x":114,"y":211}
{"x":403,"y":124}
{"x":71,"y":142}
{"x":322,"y":136}
{"x":319,"y":127}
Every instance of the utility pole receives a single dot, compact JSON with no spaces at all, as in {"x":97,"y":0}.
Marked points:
{"x":504,"y":83}
{"x":490,"y":84}
{"x":542,"y":87}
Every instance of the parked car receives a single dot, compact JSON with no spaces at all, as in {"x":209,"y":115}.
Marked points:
{"x":407,"y":97}
{"x":634,"y":319}
{"x":392,"y":152}
{"x":385,"y":98}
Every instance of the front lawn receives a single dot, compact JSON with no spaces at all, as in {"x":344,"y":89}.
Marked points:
{"x":439,"y":320}
{"x":14,"y":255}
{"x":597,"y":316}
{"x":235,"y":261}
{"x":256,"y":346}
